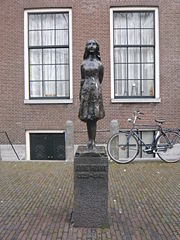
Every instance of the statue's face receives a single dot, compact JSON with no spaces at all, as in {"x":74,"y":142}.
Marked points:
{"x":91,"y":46}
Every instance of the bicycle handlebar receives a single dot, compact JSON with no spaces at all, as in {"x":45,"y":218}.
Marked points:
{"x":138,"y":112}
{"x":136,"y":115}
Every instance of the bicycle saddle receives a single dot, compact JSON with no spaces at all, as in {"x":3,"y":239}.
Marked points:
{"x":160,"y":120}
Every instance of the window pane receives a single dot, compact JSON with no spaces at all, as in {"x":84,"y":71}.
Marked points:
{"x":120,"y":55}
{"x":62,"y":72}
{"x":134,"y":71}
{"x":35,"y":72}
{"x":62,"y":37}
{"x":48,"y":37}
{"x":63,"y":89}
{"x":35,"y":56}
{"x":49,"y":89}
{"x":120,"y":71}
{"x":119,"y":20}
{"x":148,"y":88}
{"x":62,"y":21}
{"x":134,"y":88}
{"x":120,"y":37}
{"x":134,"y":62}
{"x":35,"y":38}
{"x":48,"y":21}
{"x":34,"y":22}
{"x":147,"y":55}
{"x":133,"y":20}
{"x":62,"y":55}
{"x":133,"y":36}
{"x":49,"y":67}
{"x":147,"y":71}
{"x":147,"y":20}
{"x":133,"y":55}
{"x":36,"y":89}
{"x":121,"y":88}
{"x":49,"y":56}
{"x":147,"y":36}
{"x":49,"y":72}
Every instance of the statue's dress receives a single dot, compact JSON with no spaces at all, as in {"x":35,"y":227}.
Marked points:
{"x":91,"y":103}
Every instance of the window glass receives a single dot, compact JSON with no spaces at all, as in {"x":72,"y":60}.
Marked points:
{"x":62,"y":37}
{"x":147,"y":54}
{"x":49,"y":55}
{"x":133,"y":20}
{"x":62,"y":88}
{"x":120,"y":55}
{"x":36,"y":56}
{"x":35,"y":72}
{"x":134,"y":36}
{"x":35,"y":38}
{"x":62,"y":56}
{"x":36,"y":89}
{"x":134,"y":48}
{"x":48,"y":38}
{"x":48,"y":21}
{"x":147,"y":36}
{"x":120,"y":71}
{"x":147,"y":20}
{"x":120,"y":37}
{"x":49,"y":72}
{"x":49,"y":89}
{"x":62,"y":72}
{"x":134,"y":55}
{"x":34,"y":22}
{"x":134,"y":71}
{"x":62,"y":21}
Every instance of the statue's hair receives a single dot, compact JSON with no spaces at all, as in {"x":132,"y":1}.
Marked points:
{"x":97,"y":53}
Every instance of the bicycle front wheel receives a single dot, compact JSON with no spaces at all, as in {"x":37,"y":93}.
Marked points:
{"x":168,"y":147}
{"x":123,"y":147}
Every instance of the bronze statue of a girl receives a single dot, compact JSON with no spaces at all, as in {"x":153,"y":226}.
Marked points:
{"x":91,"y":104}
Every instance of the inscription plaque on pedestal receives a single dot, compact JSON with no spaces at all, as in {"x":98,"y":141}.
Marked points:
{"x":90,"y":188}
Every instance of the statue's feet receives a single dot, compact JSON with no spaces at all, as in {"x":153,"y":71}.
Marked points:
{"x":91,"y":145}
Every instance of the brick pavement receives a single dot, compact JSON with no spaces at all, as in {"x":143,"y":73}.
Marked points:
{"x":36,"y":202}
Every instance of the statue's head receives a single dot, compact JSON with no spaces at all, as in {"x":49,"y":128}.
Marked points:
{"x":92,"y":47}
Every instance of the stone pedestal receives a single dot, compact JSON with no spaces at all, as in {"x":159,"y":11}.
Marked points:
{"x":90,"y":188}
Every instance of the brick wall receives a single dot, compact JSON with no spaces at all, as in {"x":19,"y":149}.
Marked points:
{"x":91,"y":19}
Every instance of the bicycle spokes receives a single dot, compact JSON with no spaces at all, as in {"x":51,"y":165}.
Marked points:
{"x":168,"y":147}
{"x":123,"y":147}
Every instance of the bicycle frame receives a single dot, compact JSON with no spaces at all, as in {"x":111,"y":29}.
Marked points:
{"x":125,"y":146}
{"x":150,"y":146}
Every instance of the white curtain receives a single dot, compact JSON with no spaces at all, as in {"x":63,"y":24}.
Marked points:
{"x":49,"y":67}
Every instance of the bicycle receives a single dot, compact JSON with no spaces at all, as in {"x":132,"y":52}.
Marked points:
{"x":124,"y":146}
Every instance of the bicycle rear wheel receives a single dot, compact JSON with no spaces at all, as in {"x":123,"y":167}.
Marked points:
{"x":123,"y":148}
{"x":168,"y":147}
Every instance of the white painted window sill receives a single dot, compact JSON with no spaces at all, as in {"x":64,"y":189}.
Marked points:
{"x":48,"y":101}
{"x":136,"y":100}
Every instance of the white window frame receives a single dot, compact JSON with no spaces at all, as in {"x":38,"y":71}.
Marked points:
{"x":27,"y":99}
{"x":157,"y":80}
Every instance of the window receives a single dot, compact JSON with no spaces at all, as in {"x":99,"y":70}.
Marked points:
{"x":134,"y":52}
{"x":45,"y":145}
{"x":48,"y":55}
{"x":147,"y":136}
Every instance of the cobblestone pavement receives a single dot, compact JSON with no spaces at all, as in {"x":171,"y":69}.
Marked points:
{"x":36,"y":202}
